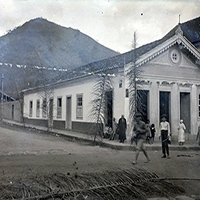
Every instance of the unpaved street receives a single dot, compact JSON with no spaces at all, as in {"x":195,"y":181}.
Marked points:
{"x":25,"y":153}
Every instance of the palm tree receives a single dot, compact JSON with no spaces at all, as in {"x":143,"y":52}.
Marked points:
{"x":133,"y":75}
{"x":98,"y":102}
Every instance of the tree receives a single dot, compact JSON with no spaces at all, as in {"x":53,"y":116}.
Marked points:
{"x":46,"y":93}
{"x":98,"y":102}
{"x":133,"y":76}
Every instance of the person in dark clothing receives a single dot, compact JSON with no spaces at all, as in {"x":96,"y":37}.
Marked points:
{"x":148,"y":135}
{"x":140,"y":129}
{"x":153,"y":130}
{"x":122,"y":129}
{"x":165,"y":136}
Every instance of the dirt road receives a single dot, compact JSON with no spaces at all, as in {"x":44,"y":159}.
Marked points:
{"x":25,"y":153}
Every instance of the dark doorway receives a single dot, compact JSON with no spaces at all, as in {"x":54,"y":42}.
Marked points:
{"x":185,"y":109}
{"x":109,"y":108}
{"x":142,"y":103}
{"x":51,"y":112}
{"x":12,"y":112}
{"x":165,"y":102}
{"x":68,"y":124}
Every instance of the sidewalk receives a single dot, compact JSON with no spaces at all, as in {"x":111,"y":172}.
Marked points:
{"x":190,"y":145}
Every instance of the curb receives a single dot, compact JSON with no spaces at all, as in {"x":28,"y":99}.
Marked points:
{"x":126,"y":146}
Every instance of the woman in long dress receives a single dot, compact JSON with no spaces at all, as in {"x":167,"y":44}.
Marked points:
{"x":122,"y":129}
{"x":181,"y":132}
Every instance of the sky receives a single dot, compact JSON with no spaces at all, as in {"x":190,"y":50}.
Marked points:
{"x":112,"y":23}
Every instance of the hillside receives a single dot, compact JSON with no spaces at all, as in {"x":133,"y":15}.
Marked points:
{"x":43,"y":43}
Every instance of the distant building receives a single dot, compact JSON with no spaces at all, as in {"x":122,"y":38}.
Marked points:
{"x":9,"y":108}
{"x":169,"y":84}
{"x":5,"y":98}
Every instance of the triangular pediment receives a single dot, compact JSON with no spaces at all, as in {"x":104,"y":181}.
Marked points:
{"x":177,"y":39}
{"x":166,"y":58}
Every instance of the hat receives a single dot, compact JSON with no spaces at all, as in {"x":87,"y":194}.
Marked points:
{"x":138,"y":115}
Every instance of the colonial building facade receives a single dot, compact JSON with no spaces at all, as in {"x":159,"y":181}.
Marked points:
{"x":168,"y":82}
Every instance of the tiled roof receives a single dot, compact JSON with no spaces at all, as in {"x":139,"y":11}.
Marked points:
{"x":191,"y":30}
{"x":110,"y":63}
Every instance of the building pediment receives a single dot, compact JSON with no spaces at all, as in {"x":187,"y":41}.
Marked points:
{"x":174,"y":57}
{"x":177,"y":39}
{"x":160,"y":49}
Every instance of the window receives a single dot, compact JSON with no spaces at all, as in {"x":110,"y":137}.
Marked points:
{"x":175,"y":56}
{"x":38,"y":108}
{"x":120,"y":84}
{"x":59,"y":107}
{"x":31,"y":109}
{"x":127,"y":93}
{"x":44,"y":108}
{"x":51,"y":108}
{"x":79,"y":106}
{"x":199,"y":105}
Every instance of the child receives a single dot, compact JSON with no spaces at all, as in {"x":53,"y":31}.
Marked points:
{"x":108,"y":132}
{"x":153,"y":130}
{"x":114,"y":129}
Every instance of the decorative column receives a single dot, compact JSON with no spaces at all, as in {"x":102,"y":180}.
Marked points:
{"x":154,"y":105}
{"x":175,"y":109}
{"x":194,"y":110}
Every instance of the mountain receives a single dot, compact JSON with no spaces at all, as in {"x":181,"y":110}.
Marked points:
{"x":39,"y":42}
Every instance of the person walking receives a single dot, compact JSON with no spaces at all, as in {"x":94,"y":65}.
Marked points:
{"x":148,"y":135}
{"x":165,"y":136}
{"x":140,"y":130}
{"x":122,"y":129}
{"x":181,"y":132}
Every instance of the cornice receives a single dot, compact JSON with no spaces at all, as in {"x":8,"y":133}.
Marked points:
{"x":189,"y":46}
{"x":185,"y":84}
{"x":144,"y":82}
{"x":165,"y":82}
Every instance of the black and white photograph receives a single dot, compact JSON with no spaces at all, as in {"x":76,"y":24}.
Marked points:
{"x":100,"y":99}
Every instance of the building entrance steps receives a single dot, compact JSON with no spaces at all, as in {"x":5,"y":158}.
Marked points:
{"x":190,"y":144}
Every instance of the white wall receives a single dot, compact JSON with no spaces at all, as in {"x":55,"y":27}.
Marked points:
{"x":31,"y":97}
{"x":80,"y":86}
{"x":83,"y":87}
{"x":67,"y":89}
{"x":119,"y":97}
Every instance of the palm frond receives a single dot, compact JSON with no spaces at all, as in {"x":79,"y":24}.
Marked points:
{"x":112,"y":185}
{"x":98,"y":102}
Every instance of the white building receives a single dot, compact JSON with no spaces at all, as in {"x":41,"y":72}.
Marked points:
{"x":169,"y":84}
